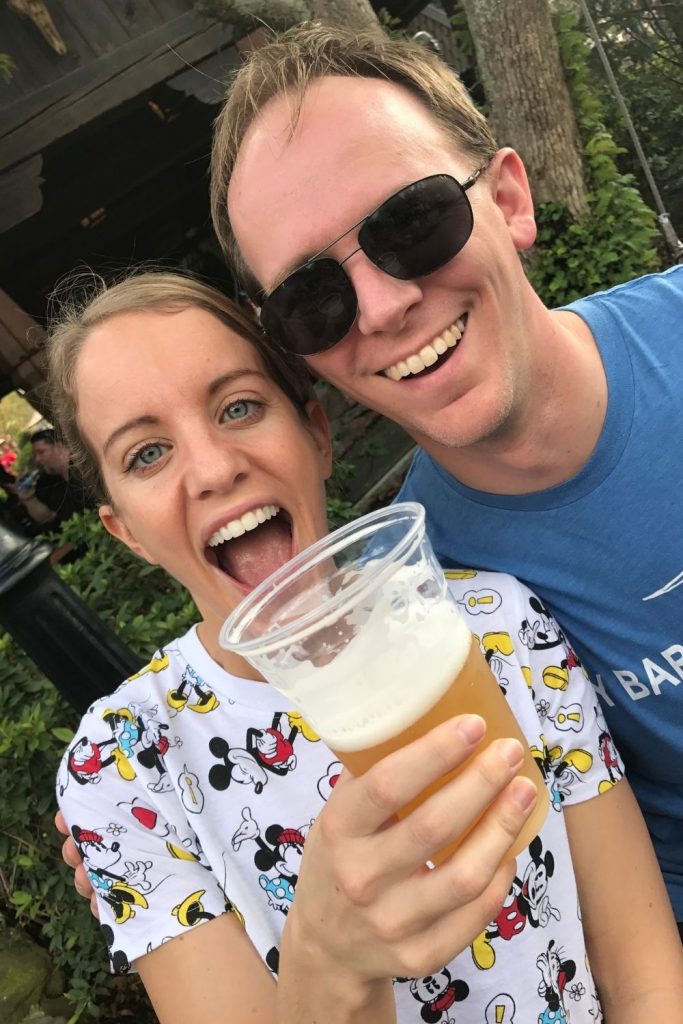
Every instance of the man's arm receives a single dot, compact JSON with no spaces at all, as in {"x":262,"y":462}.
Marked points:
{"x":633,"y":944}
{"x":39,"y":512}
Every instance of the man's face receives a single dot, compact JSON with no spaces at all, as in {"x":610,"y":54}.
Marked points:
{"x":357,"y":142}
{"x":48,"y":456}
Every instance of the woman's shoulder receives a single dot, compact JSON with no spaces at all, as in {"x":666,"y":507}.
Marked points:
{"x":492,"y":600}
{"x":113,"y":724}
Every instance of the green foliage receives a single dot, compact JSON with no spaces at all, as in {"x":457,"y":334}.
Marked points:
{"x":643,"y":40}
{"x":392,"y":25}
{"x":7,"y":68}
{"x":15,"y":413}
{"x":139,"y":602}
{"x":339,"y":511}
{"x":145,"y":608}
{"x":24,"y":453}
{"x":616,"y":241}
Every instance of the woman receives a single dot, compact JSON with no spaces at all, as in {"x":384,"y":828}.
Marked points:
{"x":212,"y":803}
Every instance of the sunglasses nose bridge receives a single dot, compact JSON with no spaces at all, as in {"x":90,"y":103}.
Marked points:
{"x":382,"y":300}
{"x":359,"y":248}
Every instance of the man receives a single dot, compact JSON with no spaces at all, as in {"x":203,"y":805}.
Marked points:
{"x":57,"y":492}
{"x":550,"y":439}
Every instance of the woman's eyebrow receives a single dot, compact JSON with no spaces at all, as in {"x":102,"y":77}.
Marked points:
{"x":230,"y":378}
{"x":154,"y":421}
{"x":139,"y":421}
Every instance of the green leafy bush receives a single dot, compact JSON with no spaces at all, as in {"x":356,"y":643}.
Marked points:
{"x":616,"y":241}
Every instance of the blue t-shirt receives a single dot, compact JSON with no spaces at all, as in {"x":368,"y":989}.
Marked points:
{"x":605,"y":549}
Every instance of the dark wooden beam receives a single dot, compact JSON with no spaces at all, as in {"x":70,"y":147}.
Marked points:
{"x":22,"y":351}
{"x":47,"y":114}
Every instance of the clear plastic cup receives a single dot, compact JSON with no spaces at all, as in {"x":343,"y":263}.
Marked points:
{"x":361,"y":635}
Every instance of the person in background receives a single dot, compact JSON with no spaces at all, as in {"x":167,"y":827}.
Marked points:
{"x":8,"y":456}
{"x":56,"y":493}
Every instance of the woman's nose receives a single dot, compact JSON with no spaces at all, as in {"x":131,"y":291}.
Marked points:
{"x":383,"y":301}
{"x":215,"y":464}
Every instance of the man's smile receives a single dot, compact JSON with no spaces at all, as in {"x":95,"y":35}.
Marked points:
{"x":429,"y":356}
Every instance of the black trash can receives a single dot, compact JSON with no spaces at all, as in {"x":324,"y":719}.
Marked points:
{"x":67,"y":641}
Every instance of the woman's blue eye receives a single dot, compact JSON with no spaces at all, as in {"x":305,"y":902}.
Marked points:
{"x":238,"y":410}
{"x":148,"y":455}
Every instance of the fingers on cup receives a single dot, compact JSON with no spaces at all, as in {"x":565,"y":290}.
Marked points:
{"x":449,"y":932}
{"x":400,"y":777}
{"x":489,"y":843}
{"x":450,"y":811}
{"x":82,"y":882}
{"x":70,"y":853}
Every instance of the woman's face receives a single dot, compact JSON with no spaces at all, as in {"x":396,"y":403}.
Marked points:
{"x":197,"y":448}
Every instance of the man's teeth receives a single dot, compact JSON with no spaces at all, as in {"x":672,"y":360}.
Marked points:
{"x":428,"y":355}
{"x":249,"y":521}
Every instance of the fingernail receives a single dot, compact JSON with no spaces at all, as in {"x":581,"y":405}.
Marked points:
{"x":471,"y":727}
{"x":524,"y":793}
{"x":511,"y":751}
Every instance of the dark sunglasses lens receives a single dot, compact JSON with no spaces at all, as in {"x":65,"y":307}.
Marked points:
{"x":312,"y":309}
{"x":419,"y":229}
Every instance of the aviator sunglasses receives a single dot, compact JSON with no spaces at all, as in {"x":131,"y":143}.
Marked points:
{"x":411,"y":234}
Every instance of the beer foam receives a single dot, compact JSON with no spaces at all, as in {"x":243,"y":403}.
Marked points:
{"x":401,"y":651}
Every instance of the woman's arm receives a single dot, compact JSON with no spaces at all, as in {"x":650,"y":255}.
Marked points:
{"x":211,"y":973}
{"x":633,"y":944}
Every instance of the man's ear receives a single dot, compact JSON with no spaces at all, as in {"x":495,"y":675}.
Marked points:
{"x":319,"y":426}
{"x":118,"y":529}
{"x":512,"y":195}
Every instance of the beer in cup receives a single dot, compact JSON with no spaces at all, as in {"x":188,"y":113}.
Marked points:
{"x":362,"y":636}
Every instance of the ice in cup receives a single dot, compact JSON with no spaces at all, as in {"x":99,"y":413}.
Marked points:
{"x":361,"y":635}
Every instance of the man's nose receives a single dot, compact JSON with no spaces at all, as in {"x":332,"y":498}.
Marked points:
{"x":215,"y":464}
{"x":383,"y":301}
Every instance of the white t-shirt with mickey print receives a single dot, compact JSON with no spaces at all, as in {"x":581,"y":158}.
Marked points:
{"x":190,"y":792}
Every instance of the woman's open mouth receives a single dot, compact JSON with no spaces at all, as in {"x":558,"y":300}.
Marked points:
{"x":248,"y":549}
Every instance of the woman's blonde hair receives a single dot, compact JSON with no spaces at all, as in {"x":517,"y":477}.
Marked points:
{"x":78,"y":306}
{"x":292,"y":61}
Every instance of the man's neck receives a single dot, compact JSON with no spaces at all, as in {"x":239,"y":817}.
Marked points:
{"x":551,"y":437}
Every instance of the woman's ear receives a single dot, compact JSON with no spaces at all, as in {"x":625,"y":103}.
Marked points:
{"x":319,"y":426}
{"x":512,"y":195}
{"x":114,"y":525}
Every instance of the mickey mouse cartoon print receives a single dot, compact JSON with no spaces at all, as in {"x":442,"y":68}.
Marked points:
{"x":437,"y":993}
{"x":556,"y":972}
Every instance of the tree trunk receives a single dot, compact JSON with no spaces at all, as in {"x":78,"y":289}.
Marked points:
{"x":253,"y":20}
{"x":353,"y":14}
{"x":520,"y":67}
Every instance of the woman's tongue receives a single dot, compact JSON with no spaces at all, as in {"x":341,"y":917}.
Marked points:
{"x":258,"y":553}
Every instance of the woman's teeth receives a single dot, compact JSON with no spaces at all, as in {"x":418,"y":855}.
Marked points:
{"x":428,"y":355}
{"x":249,"y":521}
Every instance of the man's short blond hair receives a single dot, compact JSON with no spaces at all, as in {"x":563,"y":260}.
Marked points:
{"x":289,"y":64}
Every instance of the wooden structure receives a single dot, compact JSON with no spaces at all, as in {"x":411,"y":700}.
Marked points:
{"x":104,"y":143}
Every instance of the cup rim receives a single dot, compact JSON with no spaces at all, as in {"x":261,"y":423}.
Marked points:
{"x":245,"y":612}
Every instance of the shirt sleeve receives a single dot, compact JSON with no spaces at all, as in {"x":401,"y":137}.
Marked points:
{"x":145,"y":863}
{"x":579,"y":758}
